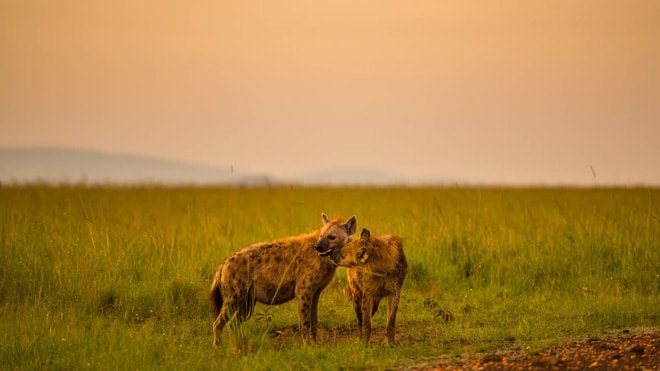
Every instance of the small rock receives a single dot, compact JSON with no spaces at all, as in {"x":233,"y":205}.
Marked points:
{"x":546,"y":361}
{"x":636,"y":348}
{"x":491,"y":358}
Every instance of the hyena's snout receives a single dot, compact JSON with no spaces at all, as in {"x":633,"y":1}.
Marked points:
{"x":323,"y":248}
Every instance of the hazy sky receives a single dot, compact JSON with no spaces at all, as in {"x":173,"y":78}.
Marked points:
{"x":495,"y":91}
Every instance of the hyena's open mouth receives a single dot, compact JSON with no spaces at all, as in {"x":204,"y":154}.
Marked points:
{"x":326,"y":253}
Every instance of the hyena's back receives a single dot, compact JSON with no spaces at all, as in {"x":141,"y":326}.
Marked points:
{"x":266,"y":268}
{"x":276,"y":268}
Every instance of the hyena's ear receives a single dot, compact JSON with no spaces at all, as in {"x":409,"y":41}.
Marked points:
{"x":325,"y":218}
{"x":351,"y":225}
{"x":365,"y":234}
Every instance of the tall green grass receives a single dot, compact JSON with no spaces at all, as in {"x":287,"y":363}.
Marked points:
{"x":110,"y":278}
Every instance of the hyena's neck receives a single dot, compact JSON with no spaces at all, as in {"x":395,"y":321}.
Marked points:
{"x":303,"y":240}
{"x":309,"y":239}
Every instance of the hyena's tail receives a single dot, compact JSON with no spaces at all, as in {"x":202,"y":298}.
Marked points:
{"x":215,"y":295}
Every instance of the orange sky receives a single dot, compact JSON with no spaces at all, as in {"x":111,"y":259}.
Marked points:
{"x":486,"y":91}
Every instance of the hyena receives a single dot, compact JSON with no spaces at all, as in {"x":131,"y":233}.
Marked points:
{"x":278,"y":271}
{"x":376,"y":268}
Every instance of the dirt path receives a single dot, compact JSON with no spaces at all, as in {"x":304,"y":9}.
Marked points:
{"x":624,"y":350}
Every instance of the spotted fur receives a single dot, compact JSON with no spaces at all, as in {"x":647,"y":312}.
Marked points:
{"x":277,"y":272}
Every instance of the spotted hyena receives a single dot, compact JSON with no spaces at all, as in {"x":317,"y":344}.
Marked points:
{"x":376,"y":268}
{"x":278,"y":271}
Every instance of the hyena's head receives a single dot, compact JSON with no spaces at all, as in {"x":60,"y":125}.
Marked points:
{"x":334,"y":234}
{"x":355,"y":253}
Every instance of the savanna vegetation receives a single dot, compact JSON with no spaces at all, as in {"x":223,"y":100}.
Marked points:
{"x":118,"y":278}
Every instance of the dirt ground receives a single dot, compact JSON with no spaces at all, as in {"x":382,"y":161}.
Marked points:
{"x":624,"y":350}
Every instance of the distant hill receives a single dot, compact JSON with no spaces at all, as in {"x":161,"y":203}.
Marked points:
{"x":364,"y":177}
{"x":73,"y":166}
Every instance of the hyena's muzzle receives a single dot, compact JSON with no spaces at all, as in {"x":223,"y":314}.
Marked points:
{"x":323,"y":248}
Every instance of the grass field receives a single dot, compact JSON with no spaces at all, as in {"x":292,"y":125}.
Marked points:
{"x":117,"y":278}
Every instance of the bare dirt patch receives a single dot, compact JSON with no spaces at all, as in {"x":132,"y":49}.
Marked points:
{"x":624,"y":350}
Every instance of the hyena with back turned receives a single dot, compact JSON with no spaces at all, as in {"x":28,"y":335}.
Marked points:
{"x":376,"y":268}
{"x":278,"y":271}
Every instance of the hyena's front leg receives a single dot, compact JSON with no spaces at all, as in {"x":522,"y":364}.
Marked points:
{"x":367,"y":307}
{"x":391,"y":317}
{"x":357,"y":306}
{"x":305,"y":314}
{"x":315,"y":314}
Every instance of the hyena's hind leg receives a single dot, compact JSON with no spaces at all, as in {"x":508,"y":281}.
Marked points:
{"x":219,"y":324}
{"x":235,"y":308}
{"x":219,"y":305}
